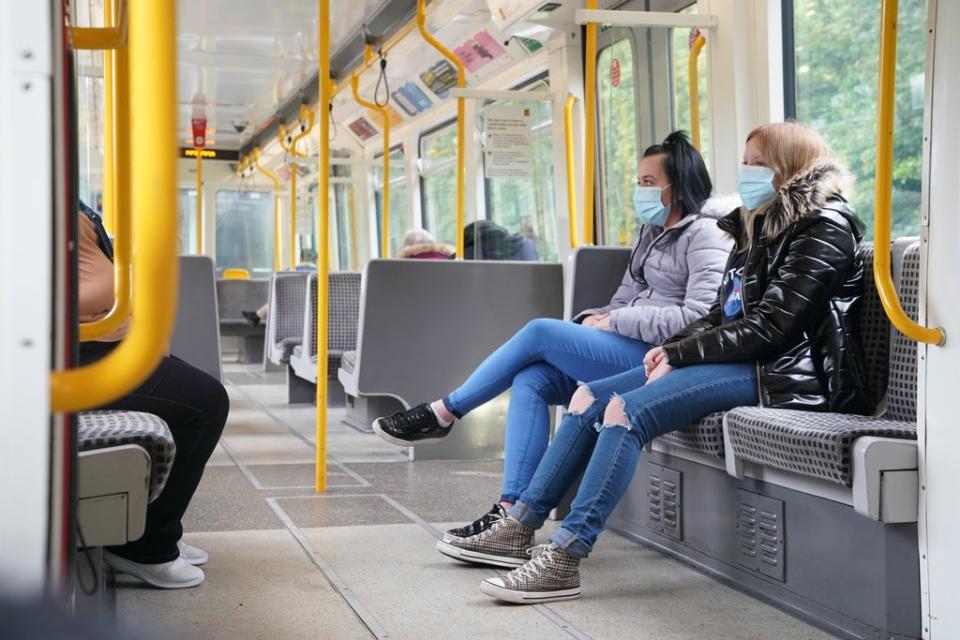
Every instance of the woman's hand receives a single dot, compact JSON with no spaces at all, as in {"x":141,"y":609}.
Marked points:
{"x":599,"y":321}
{"x":653,"y":359}
{"x":661,"y":370}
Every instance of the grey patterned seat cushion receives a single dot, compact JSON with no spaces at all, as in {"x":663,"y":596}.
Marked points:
{"x":705,"y":436}
{"x":103,"y":429}
{"x":348,"y":361}
{"x":286,"y":347}
{"x":813,"y":444}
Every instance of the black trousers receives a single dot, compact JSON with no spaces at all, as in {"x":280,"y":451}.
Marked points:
{"x":195,"y":407}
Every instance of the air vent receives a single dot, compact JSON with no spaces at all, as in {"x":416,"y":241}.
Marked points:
{"x":761,"y":537}
{"x":663,"y":494}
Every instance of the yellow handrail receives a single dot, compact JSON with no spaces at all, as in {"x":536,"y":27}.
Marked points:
{"x":199,"y":205}
{"x":590,"y":127}
{"x":355,"y":86}
{"x":153,"y":139}
{"x":108,"y":210}
{"x":571,"y":169}
{"x":695,"y":89}
{"x":323,"y":242}
{"x":294,"y":170}
{"x":277,"y":224}
{"x":116,"y":198}
{"x":884,"y":185}
{"x":461,"y":117}
{"x":305,"y":115}
{"x":96,"y":38}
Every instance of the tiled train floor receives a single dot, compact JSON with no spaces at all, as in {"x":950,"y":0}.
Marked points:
{"x":359,"y":561}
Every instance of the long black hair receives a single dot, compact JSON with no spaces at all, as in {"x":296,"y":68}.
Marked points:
{"x":685,"y":170}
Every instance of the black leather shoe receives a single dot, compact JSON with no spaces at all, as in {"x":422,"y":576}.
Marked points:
{"x":251,"y":317}
{"x":414,"y":426}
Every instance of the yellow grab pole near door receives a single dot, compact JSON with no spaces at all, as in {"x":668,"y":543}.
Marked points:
{"x":293,"y":214}
{"x":109,"y":208}
{"x":571,"y":169}
{"x":589,"y":125}
{"x":199,"y":216}
{"x":323,"y":242}
{"x":884,"y":185}
{"x":692,"y":75}
{"x":355,"y":86}
{"x":277,"y":224}
{"x":117,"y":198}
{"x":153,"y":138}
{"x":461,"y":117}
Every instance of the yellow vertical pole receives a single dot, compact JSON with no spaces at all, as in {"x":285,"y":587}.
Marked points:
{"x":293,"y":215}
{"x":571,"y":169}
{"x":199,"y":217}
{"x":695,"y":90}
{"x":323,"y":242}
{"x":461,"y":116}
{"x":589,"y":125}
{"x":109,"y":157}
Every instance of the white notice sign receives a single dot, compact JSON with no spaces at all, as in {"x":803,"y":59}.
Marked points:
{"x":507,"y":151}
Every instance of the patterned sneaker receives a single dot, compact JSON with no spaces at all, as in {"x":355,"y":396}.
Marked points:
{"x":414,"y":426}
{"x":551,"y":574}
{"x":477,"y":526}
{"x":504,"y":544}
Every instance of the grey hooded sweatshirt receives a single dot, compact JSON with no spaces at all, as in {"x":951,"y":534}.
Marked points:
{"x":673,"y":277}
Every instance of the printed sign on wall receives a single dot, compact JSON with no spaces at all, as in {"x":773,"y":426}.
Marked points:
{"x":440,"y":78}
{"x":395,"y":118}
{"x":479,"y":51}
{"x":362,"y":128}
{"x":411,"y":99}
{"x":507,"y":152}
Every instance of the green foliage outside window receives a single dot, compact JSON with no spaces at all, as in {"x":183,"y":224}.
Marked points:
{"x":837,"y":57}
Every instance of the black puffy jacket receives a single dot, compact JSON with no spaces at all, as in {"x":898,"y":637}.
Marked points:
{"x":801,"y":298}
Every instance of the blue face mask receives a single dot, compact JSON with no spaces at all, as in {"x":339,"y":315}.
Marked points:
{"x":648,"y":207}
{"x":755,"y":185}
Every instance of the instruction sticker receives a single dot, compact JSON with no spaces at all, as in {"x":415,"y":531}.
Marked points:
{"x":440,"y":78}
{"x":507,"y":151}
{"x":411,"y":99}
{"x":479,"y":51}
{"x":362,"y":128}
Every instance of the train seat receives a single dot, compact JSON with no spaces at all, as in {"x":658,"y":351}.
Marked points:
{"x":343,"y":314}
{"x":485,"y":303}
{"x":124,"y":461}
{"x":196,"y":334}
{"x":234,"y":296}
{"x":288,"y":290}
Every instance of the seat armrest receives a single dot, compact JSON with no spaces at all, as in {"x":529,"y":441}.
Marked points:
{"x":733,"y":464}
{"x":113,"y":486}
{"x":885,"y":478}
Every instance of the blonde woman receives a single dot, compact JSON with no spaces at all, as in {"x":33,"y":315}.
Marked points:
{"x":780,"y":334}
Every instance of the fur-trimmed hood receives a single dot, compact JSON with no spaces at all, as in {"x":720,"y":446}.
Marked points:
{"x":420,"y":248}
{"x":802,"y":196}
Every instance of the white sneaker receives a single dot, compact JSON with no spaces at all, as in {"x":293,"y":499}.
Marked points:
{"x":177,"y":574}
{"x":193,"y":555}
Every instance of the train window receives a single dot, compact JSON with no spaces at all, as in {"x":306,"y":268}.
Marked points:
{"x":527,"y":205}
{"x":186,"y":217}
{"x":438,"y":182}
{"x":836,"y":58}
{"x":617,"y":104}
{"x":399,"y":210}
{"x":341,"y":230}
{"x":244,"y":231}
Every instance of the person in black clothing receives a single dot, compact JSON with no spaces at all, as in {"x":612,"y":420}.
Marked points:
{"x":194,"y":406}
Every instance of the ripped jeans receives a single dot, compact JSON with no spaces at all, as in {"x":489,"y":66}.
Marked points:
{"x":608,"y":454}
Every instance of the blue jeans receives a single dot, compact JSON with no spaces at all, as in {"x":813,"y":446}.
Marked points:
{"x":610,"y":452}
{"x":541,"y":365}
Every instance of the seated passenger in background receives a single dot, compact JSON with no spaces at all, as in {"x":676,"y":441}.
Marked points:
{"x":671,"y":279}
{"x":485,"y":240}
{"x":419,"y":244}
{"x":308,"y":262}
{"x":780,"y":334}
{"x":193,"y":405}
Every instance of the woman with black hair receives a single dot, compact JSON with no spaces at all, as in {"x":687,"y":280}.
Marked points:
{"x":672,"y":277}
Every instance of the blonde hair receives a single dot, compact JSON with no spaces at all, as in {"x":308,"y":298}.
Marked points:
{"x":791,"y":149}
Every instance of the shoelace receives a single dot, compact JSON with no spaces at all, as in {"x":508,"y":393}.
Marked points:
{"x":482,"y":523}
{"x":497,"y":518}
{"x":404,"y":419}
{"x":540,"y":555}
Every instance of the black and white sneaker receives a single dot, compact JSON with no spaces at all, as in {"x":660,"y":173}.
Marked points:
{"x":504,"y":544}
{"x":551,"y":575}
{"x":479,"y":525}
{"x":418,"y":425}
